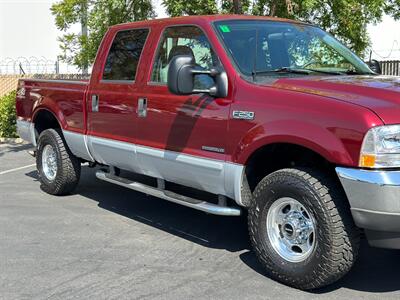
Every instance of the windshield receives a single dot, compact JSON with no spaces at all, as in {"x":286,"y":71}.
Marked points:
{"x":270,"y":48}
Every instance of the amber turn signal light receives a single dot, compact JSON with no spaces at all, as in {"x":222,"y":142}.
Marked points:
{"x":367,"y":160}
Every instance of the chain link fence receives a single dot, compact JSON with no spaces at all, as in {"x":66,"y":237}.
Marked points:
{"x":9,"y":83}
{"x":13,"y":69}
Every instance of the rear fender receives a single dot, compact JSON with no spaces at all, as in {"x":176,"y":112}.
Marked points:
{"x":52,"y":108}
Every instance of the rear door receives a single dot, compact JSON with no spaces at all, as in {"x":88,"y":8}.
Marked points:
{"x":112,"y":101}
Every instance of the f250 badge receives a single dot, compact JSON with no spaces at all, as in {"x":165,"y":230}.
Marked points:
{"x":243,"y":115}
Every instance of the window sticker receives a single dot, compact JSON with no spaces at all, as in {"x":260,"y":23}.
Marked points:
{"x":224,"y":28}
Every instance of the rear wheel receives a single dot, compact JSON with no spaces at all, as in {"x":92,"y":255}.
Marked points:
{"x":301,"y":228}
{"x":59,"y":170}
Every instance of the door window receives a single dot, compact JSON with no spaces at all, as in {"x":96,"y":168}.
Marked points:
{"x":123,"y":57}
{"x":184,"y":40}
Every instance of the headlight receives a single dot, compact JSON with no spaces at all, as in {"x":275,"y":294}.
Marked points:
{"x":381,"y":147}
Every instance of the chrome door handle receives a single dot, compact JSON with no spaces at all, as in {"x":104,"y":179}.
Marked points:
{"x":142,"y":108}
{"x":95,"y":103}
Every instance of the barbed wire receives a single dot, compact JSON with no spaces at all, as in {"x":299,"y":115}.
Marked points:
{"x":24,"y":65}
{"x":391,"y":51}
{"x":33,"y":65}
{"x":42,"y":65}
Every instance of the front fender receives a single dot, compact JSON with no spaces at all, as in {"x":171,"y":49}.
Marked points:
{"x":337,"y":145}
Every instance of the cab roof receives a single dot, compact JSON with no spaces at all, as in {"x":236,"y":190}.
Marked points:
{"x":203,"y":19}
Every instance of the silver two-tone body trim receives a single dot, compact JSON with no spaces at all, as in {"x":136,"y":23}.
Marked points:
{"x":215,"y":176}
{"x":26,"y":131}
{"x":196,"y":172}
{"x":78,"y":144}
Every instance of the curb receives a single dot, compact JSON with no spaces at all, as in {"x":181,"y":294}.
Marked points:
{"x":11,"y":140}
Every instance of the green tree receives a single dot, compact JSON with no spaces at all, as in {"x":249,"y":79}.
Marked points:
{"x":345,"y":19}
{"x":79,"y":49}
{"x":177,"y":8}
{"x":392,"y":8}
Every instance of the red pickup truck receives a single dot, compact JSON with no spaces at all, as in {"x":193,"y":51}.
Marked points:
{"x":230,"y":115}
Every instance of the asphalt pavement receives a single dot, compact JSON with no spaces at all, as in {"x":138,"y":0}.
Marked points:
{"x":107,"y":242}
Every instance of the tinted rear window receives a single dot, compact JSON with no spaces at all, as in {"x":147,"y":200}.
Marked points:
{"x":124,"y":55}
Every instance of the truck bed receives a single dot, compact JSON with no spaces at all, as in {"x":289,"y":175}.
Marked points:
{"x":64,"y":98}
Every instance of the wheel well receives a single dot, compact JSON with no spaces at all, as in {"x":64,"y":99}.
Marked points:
{"x":45,"y":120}
{"x":273,"y":157}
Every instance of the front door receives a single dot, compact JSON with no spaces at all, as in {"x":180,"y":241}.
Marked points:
{"x":182,"y":138}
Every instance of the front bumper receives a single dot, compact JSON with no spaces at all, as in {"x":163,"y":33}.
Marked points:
{"x":374,"y":198}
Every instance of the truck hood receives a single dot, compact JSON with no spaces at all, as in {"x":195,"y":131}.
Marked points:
{"x":381,"y":94}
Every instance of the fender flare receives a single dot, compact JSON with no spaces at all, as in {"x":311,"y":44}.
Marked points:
{"x":305,"y":134}
{"x":59,"y":117}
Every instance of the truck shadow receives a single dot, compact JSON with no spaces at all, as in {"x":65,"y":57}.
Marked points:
{"x":376,"y":270}
{"x":13,"y":147}
{"x":207,"y":230}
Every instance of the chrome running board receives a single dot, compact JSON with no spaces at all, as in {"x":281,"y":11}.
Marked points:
{"x":204,"y":206}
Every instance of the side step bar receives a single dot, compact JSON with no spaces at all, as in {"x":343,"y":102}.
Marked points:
{"x":170,"y":196}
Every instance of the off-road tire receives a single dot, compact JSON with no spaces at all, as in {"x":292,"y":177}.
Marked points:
{"x":68,"y":165}
{"x":337,"y":238}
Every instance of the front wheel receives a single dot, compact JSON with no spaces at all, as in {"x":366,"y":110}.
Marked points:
{"x":301,"y":228}
{"x":59,"y":170}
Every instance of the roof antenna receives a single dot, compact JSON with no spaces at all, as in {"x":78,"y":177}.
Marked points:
{"x":254,"y":73}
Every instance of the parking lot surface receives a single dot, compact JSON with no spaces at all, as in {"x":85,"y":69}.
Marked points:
{"x":107,"y":242}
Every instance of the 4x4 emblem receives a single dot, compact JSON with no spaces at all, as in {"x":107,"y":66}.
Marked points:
{"x":243,"y":115}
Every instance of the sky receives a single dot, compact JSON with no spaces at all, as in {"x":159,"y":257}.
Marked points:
{"x":27,"y":29}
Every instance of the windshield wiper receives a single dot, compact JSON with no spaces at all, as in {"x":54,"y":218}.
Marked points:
{"x":303,"y":71}
{"x":354,"y":72}
{"x":347,"y":72}
{"x":325,"y":72}
{"x":280,"y":70}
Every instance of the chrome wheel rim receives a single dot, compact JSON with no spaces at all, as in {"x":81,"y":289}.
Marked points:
{"x":291,"y":230}
{"x":49,"y":162}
